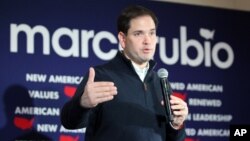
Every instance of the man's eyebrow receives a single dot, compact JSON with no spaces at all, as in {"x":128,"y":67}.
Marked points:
{"x":153,"y":29}
{"x":136,"y":31}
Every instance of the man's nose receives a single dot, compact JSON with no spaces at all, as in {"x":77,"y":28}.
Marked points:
{"x":147,"y":39}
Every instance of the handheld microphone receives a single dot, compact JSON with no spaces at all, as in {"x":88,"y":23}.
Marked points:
{"x":166,"y":92}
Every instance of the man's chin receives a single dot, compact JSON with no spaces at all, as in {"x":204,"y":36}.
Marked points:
{"x":146,"y":59}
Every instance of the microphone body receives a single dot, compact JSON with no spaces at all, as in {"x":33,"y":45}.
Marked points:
{"x":166,"y":92}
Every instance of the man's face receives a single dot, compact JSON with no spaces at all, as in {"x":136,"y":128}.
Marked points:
{"x":140,"y":42}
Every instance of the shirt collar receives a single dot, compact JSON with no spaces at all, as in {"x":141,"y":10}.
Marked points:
{"x":141,"y":72}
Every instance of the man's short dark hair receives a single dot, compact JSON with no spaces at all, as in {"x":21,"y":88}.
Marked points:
{"x":131,"y":12}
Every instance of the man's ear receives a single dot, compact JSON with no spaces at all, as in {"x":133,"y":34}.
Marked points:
{"x":122,"y":39}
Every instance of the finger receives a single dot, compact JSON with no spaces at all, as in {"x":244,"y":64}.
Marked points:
{"x":105,"y":94}
{"x":106,"y":89}
{"x":181,"y":113}
{"x":162,"y":103}
{"x":178,"y":107}
{"x":172,"y":97}
{"x":104,"y":99}
{"x":178,"y":113}
{"x":176,"y":100}
{"x":91,"y":75}
{"x":102,"y":84}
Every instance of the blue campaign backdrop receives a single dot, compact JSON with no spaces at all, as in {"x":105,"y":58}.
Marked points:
{"x":46,"y":47}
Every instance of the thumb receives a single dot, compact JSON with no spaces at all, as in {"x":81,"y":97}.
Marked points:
{"x":91,"y":75}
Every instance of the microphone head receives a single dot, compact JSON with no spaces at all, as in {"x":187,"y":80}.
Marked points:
{"x":162,"y":73}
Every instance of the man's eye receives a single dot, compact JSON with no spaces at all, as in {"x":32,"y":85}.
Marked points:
{"x":152,"y":33}
{"x":138,"y":34}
